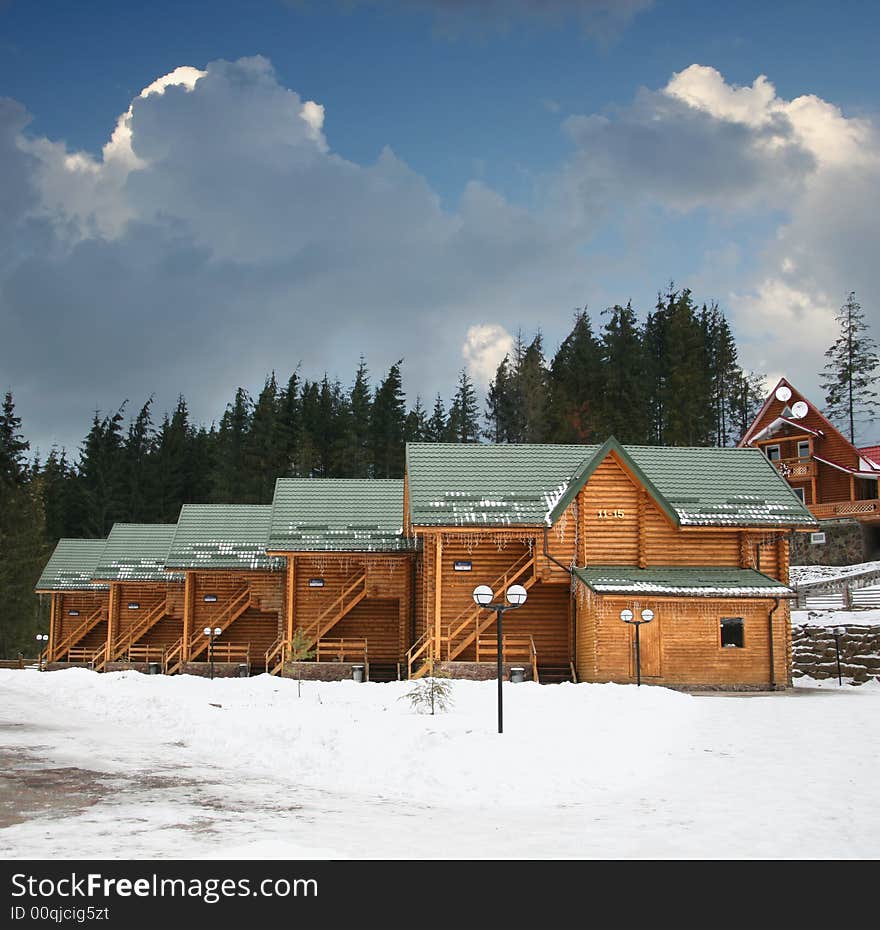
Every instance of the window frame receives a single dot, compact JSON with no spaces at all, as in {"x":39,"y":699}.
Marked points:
{"x":778,"y":449}
{"x":808,"y":453}
{"x":801,"y":493}
{"x":742,"y":626}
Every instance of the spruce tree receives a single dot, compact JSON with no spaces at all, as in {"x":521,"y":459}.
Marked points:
{"x":623,"y":402}
{"x":229,"y":470}
{"x":463,"y":424}
{"x":360,"y":406}
{"x":438,"y":422}
{"x":13,"y":446}
{"x":576,"y":391}
{"x":416,"y":427}
{"x":851,"y":371}
{"x":387,"y":426}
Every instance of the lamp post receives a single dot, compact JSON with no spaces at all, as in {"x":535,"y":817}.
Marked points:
{"x":647,"y":615}
{"x":211,"y":633}
{"x":516,"y":597}
{"x":838,"y":632}
{"x":41,"y":638}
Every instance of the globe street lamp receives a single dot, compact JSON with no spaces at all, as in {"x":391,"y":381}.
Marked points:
{"x":211,"y":634}
{"x":647,"y":615}
{"x":516,"y":597}
{"x":41,"y":638}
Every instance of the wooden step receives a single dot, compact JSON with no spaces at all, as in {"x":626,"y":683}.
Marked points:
{"x":384,"y":671}
{"x":554,"y":674}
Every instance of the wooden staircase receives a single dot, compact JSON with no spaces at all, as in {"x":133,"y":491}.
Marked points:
{"x":466,"y":628}
{"x":149,"y":620}
{"x":240,"y":602}
{"x":354,"y":591}
{"x":420,"y":656}
{"x":276,"y":656}
{"x":85,"y":627}
{"x":173,"y":658}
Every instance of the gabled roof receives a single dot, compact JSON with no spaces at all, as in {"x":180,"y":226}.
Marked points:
{"x":531,"y":485}
{"x":337,"y":515}
{"x":698,"y":581}
{"x":136,"y":552}
{"x":454,"y":484}
{"x":828,"y":428}
{"x":770,"y":428}
{"x":71,"y":566}
{"x":222,"y":536}
{"x":871,"y":454}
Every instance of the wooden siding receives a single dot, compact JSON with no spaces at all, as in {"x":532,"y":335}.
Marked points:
{"x":687,"y":637}
{"x":388,"y":580}
{"x":255,"y":629}
{"x":86,"y":602}
{"x":609,"y":517}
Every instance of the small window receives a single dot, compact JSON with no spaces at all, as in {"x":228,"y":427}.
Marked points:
{"x":316,"y":582}
{"x":732,"y":630}
{"x":800,"y":494}
{"x":463,"y":566}
{"x":804,"y":449}
{"x":773,"y":453}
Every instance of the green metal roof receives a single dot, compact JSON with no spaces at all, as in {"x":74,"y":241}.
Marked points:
{"x":337,"y":514}
{"x":693,"y":581}
{"x":71,"y":566}
{"x":453,"y":484}
{"x":136,"y":552}
{"x":498,"y":485}
{"x":223,"y":536}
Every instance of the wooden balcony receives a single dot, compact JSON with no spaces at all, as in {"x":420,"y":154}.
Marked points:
{"x":868,"y":511}
{"x":796,"y":469}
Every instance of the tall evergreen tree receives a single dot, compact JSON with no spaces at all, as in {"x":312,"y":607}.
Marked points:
{"x":13,"y":446}
{"x":229,"y":469}
{"x":463,"y":424}
{"x":416,"y":426}
{"x":139,"y":448}
{"x":387,"y":426}
{"x":623,"y":404}
{"x":360,"y":406}
{"x":436,"y":430}
{"x":265,"y":452}
{"x":852,"y":369}
{"x":102,"y":479}
{"x":576,"y":385}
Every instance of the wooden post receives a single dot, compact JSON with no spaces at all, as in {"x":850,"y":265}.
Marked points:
{"x":744,"y":560}
{"x":187,"y":616}
{"x":852,"y":488}
{"x":112,"y":619}
{"x":53,"y":627}
{"x":291,"y":594}
{"x":813,"y":485}
{"x":643,"y":554}
{"x":438,"y":583}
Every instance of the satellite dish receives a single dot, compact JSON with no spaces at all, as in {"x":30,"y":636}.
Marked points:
{"x":799,"y":410}
{"x":783,"y":393}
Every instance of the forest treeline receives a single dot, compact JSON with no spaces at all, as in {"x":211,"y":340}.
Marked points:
{"x":671,"y":379}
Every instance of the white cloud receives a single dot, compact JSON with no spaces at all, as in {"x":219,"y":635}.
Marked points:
{"x":485,"y":345}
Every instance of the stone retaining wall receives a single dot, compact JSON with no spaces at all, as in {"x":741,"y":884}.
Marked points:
{"x":814,"y":655}
{"x":320,"y":671}
{"x":203,"y":669}
{"x":847,"y":542}
{"x":480,"y":671}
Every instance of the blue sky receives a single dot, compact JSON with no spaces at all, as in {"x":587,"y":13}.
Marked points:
{"x":501,"y":118}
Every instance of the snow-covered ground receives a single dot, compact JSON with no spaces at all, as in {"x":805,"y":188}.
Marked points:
{"x":869,"y":617}
{"x":806,"y":574}
{"x":127,"y":765}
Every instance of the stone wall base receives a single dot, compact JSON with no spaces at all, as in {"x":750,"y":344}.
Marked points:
{"x":815,"y":654}
{"x":203,"y":669}
{"x":847,"y":542}
{"x":480,"y":671}
{"x":60,"y":666}
{"x":143,"y":667}
{"x":320,"y":671}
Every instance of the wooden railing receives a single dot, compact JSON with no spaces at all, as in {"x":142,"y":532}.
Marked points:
{"x":846,"y":509}
{"x":341,"y":650}
{"x":420,"y":656}
{"x":85,"y":627}
{"x":352,"y":594}
{"x":276,"y":656}
{"x":473,"y":620}
{"x":146,"y":654}
{"x":95,"y":658}
{"x":796,"y":468}
{"x":150,"y":619}
{"x":515,"y":649}
{"x":173,"y":658}
{"x":240,"y":602}
{"x":574,"y":676}
{"x":230,"y":652}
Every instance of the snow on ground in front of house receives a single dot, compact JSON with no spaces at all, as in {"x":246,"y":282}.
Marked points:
{"x":124,"y":765}
{"x":868,"y":617}
{"x":807,"y":574}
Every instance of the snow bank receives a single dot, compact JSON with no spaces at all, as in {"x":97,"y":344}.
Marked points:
{"x":807,"y":574}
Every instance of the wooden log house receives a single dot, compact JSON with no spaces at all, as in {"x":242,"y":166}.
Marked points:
{"x":145,"y":610}
{"x":699,"y":536}
{"x":834,"y":478}
{"x":78,"y":606}
{"x":231,"y":584}
{"x":348,"y":577}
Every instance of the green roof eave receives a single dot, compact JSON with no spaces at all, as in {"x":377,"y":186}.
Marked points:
{"x":678,"y":581}
{"x":585,"y":472}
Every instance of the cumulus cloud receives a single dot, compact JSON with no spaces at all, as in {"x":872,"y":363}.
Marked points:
{"x":219,"y":236}
{"x":485,"y":345}
{"x":799,"y":168}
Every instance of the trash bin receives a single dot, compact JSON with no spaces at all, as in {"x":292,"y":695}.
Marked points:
{"x":357,"y":672}
{"x":517,"y":674}
{"x":153,"y":668}
{"x":243,"y":670}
